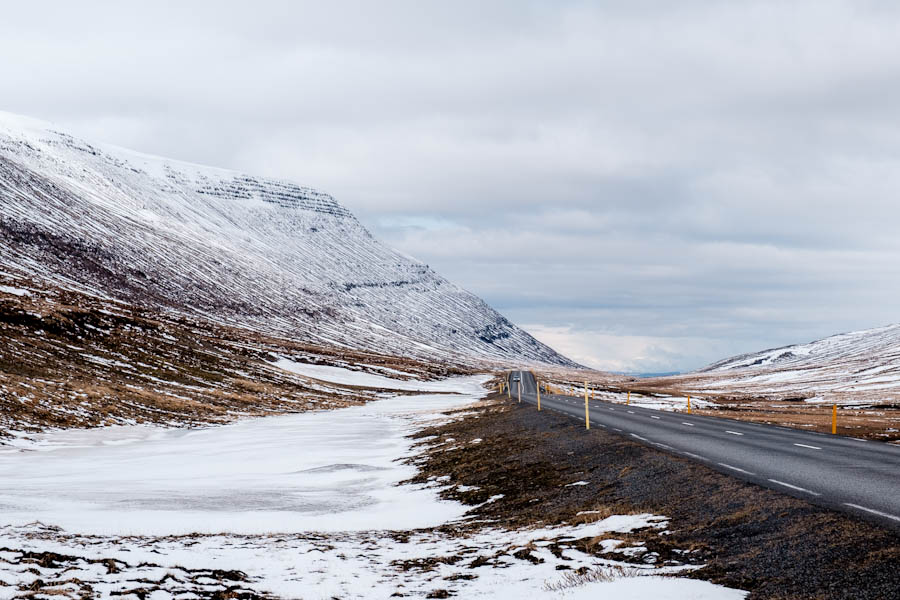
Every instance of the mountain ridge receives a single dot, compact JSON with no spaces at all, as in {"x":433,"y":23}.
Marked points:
{"x":860,"y":366}
{"x":239,"y":249}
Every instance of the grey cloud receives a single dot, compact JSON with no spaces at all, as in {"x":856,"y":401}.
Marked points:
{"x":724,"y":173}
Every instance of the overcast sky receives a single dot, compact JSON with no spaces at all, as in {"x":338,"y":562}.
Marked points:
{"x":646,"y":186}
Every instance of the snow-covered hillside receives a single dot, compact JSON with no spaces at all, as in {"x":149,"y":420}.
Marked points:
{"x":270,"y":255}
{"x":857,"y":366}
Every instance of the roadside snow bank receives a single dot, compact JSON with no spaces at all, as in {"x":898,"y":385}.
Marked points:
{"x":317,"y":471}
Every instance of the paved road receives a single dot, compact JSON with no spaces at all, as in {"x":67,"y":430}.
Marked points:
{"x":852,"y":475}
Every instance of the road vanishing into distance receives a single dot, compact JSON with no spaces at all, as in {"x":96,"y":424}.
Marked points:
{"x":848,"y":474}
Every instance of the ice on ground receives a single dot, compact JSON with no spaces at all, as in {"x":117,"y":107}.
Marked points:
{"x":343,"y":376}
{"x":315,"y":471}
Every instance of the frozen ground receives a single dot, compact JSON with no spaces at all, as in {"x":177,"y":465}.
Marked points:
{"x":318,"y":471}
{"x":374,"y":564}
{"x":299,"y":506}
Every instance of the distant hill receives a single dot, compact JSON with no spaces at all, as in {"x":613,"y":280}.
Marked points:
{"x":860,"y":365}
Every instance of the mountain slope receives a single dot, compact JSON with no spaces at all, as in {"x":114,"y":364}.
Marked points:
{"x":240,"y":250}
{"x":857,"y":366}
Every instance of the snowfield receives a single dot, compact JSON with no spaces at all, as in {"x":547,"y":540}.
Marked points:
{"x":307,"y":505}
{"x":317,"y":471}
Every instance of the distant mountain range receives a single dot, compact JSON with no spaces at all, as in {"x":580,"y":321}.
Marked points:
{"x":268,"y":255}
{"x":861,"y":365}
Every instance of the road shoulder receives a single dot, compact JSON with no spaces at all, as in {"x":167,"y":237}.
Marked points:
{"x":745,"y":536}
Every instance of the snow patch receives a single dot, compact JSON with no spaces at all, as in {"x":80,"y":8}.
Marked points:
{"x":332,"y":470}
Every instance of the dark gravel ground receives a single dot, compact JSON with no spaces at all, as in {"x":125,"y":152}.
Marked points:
{"x":748,"y":537}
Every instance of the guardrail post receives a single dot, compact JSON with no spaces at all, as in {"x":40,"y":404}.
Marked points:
{"x":689,"y":405}
{"x":833,"y":419}
{"x":587,"y":415}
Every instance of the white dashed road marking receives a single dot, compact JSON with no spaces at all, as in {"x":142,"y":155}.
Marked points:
{"x":805,"y":446}
{"x":873,"y":511}
{"x":688,"y":424}
{"x":733,"y":432}
{"x":795,"y":487}
{"x":738,"y":469}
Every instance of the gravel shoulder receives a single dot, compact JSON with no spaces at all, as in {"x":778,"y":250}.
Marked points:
{"x":744,"y":536}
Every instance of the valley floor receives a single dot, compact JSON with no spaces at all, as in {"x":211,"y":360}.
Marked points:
{"x":341,"y":503}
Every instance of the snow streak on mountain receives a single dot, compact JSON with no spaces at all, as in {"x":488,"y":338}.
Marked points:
{"x":269,"y":255}
{"x":860,"y":366}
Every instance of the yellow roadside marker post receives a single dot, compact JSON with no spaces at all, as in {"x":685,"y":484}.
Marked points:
{"x":539,"y":394}
{"x":834,"y":419}
{"x":592,"y":393}
{"x":689,"y":405}
{"x":587,"y":415}
{"x":508,"y":391}
{"x":520,"y":391}
{"x":628,"y":400}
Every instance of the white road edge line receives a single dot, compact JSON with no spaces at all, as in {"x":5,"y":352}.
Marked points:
{"x":738,"y":469}
{"x":873,"y":511}
{"x":697,"y":456}
{"x":643,"y":439}
{"x":795,"y":487}
{"x":688,"y":424}
{"x":807,"y":446}
{"x":733,"y":432}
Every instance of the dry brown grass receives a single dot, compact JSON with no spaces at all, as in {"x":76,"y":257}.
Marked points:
{"x":71,"y":360}
{"x":575,"y":579}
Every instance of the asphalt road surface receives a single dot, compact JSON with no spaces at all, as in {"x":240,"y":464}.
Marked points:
{"x":848,"y":474}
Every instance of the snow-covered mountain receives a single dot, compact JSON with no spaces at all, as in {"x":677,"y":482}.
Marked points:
{"x":269,"y":255}
{"x":861,"y":365}
{"x":880,"y":345}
